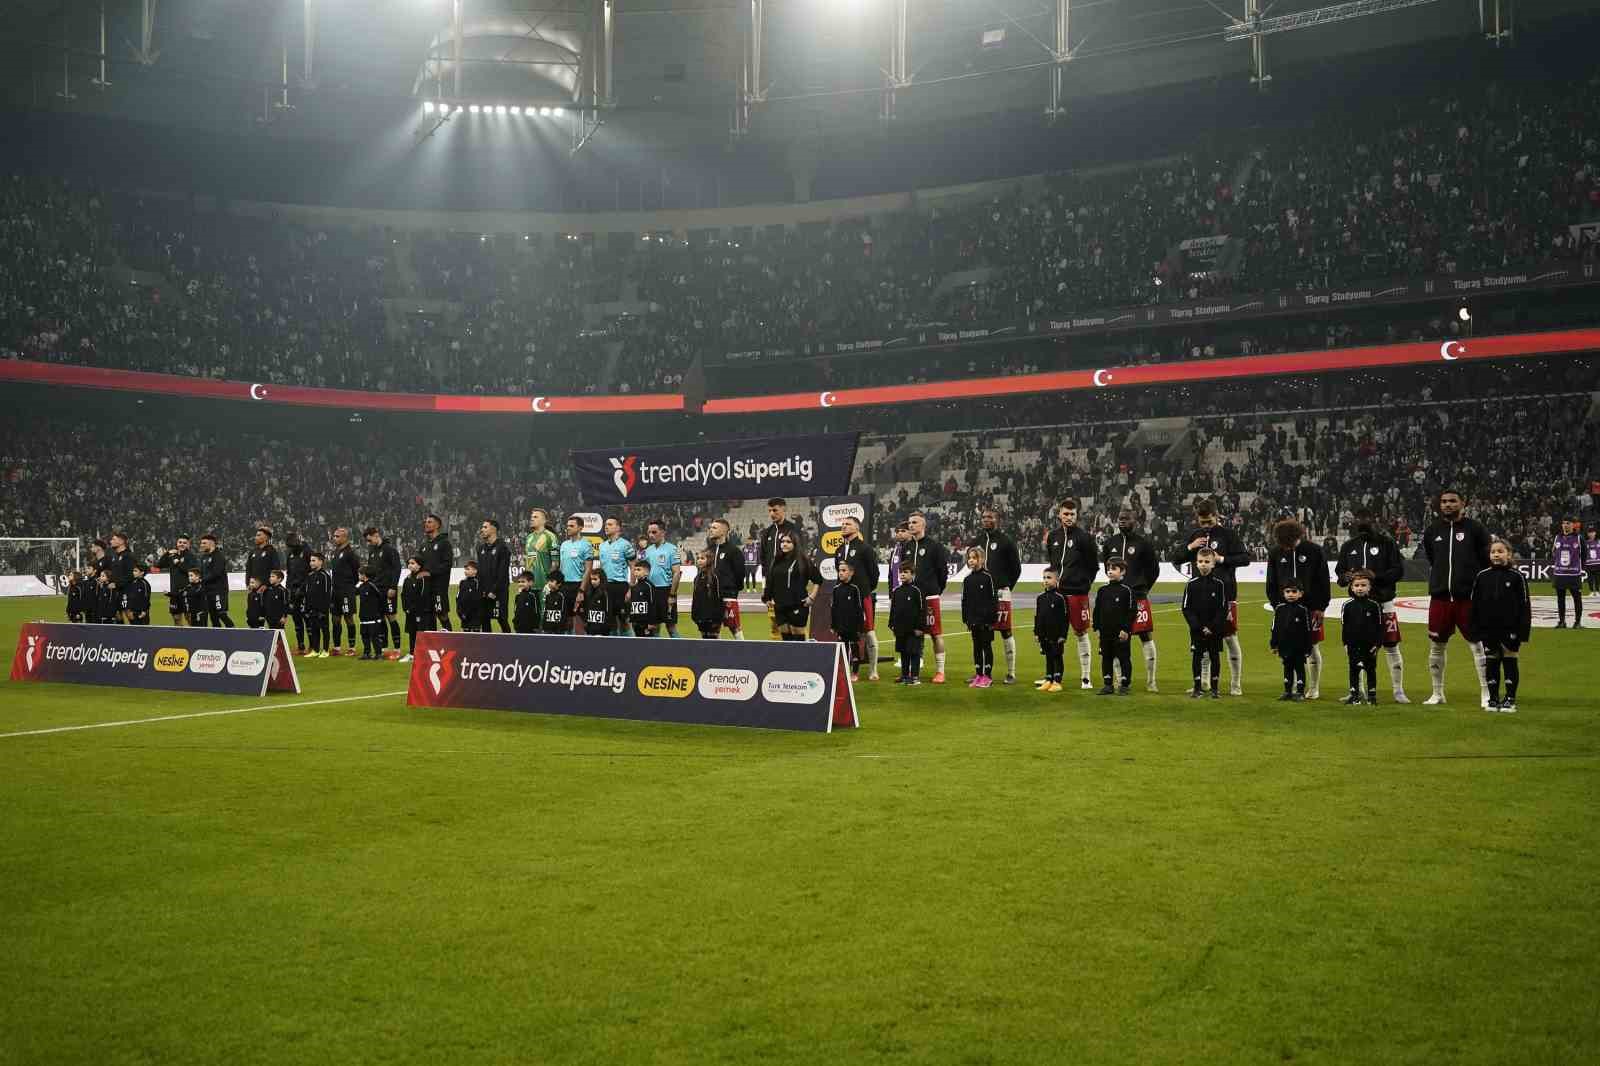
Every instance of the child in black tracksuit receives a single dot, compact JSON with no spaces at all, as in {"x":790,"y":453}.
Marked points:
{"x":980,"y":606}
{"x":469,"y":597}
{"x":1113,"y":619}
{"x":195,"y":603}
{"x":705,"y":608}
{"x":553,"y":607}
{"x":1292,"y":639}
{"x":642,"y":600}
{"x":1502,"y":619}
{"x":1205,"y":608}
{"x":315,"y":603}
{"x":907,"y":615}
{"x":525,"y":608}
{"x":846,"y":615}
{"x":75,"y":597}
{"x":274,"y":600}
{"x":252,"y":604}
{"x":416,"y":601}
{"x":137,"y":596}
{"x":371,"y":603}
{"x":596,"y":608}
{"x":1362,"y":624}
{"x":106,"y":600}
{"x":1050,"y":628}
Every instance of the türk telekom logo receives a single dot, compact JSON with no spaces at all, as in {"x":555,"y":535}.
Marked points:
{"x":441,"y":670}
{"x":623,"y":474}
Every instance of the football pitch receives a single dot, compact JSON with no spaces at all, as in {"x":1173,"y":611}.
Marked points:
{"x":971,"y":878}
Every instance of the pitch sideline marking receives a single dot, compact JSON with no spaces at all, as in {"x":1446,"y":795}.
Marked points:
{"x":201,"y":714}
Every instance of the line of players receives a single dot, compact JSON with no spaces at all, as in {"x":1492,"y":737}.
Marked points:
{"x":1473,"y":590}
{"x":573,"y":585}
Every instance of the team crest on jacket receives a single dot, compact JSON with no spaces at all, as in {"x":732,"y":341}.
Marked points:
{"x":1461,"y":536}
{"x":1372,"y":551}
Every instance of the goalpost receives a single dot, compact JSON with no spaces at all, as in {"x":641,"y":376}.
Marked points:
{"x":44,"y":558}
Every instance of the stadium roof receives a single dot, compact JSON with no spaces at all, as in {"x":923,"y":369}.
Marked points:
{"x":676,"y":63}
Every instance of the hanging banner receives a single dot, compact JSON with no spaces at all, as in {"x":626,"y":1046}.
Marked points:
{"x":717,"y":470}
{"x":767,"y":685}
{"x":234,"y":662}
{"x":831,"y":513}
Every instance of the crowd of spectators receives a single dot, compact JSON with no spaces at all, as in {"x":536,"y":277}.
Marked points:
{"x":74,"y":478}
{"x":1488,"y":177}
{"x":1516,"y":438}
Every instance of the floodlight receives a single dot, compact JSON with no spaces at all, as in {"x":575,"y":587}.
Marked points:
{"x":515,"y":110}
{"x":427,"y":107}
{"x":557,"y":111}
{"x":500,"y":110}
{"x":544,"y":111}
{"x":474,"y":109}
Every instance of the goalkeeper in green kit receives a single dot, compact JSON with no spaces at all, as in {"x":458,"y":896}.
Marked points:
{"x":541,"y":551}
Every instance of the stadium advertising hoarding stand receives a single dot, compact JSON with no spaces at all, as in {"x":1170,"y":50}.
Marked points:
{"x":718,"y":470}
{"x":831,"y":513}
{"x":798,"y":685}
{"x":233,"y":662}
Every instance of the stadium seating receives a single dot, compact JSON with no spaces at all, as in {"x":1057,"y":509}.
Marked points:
{"x":1433,"y":186}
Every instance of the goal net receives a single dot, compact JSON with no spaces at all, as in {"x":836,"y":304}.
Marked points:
{"x":36,"y":565}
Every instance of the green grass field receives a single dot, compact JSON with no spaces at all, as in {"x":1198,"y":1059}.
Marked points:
{"x":1001,"y":877}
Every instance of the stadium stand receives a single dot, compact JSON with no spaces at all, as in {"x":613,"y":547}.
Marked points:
{"x":1431,"y":186}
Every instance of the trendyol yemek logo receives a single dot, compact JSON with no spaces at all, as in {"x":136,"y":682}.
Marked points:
{"x":623,"y":474}
{"x":835,"y":513}
{"x":207,"y":661}
{"x":724,"y":684}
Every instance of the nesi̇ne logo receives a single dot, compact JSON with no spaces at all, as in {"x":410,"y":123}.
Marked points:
{"x":671,"y":682}
{"x":171,"y":660}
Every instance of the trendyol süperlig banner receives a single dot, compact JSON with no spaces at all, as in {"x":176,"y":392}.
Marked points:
{"x":235,"y":662}
{"x":818,"y":465}
{"x":769,"y":685}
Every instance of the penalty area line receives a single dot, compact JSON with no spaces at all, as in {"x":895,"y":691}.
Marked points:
{"x":200,"y":714}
